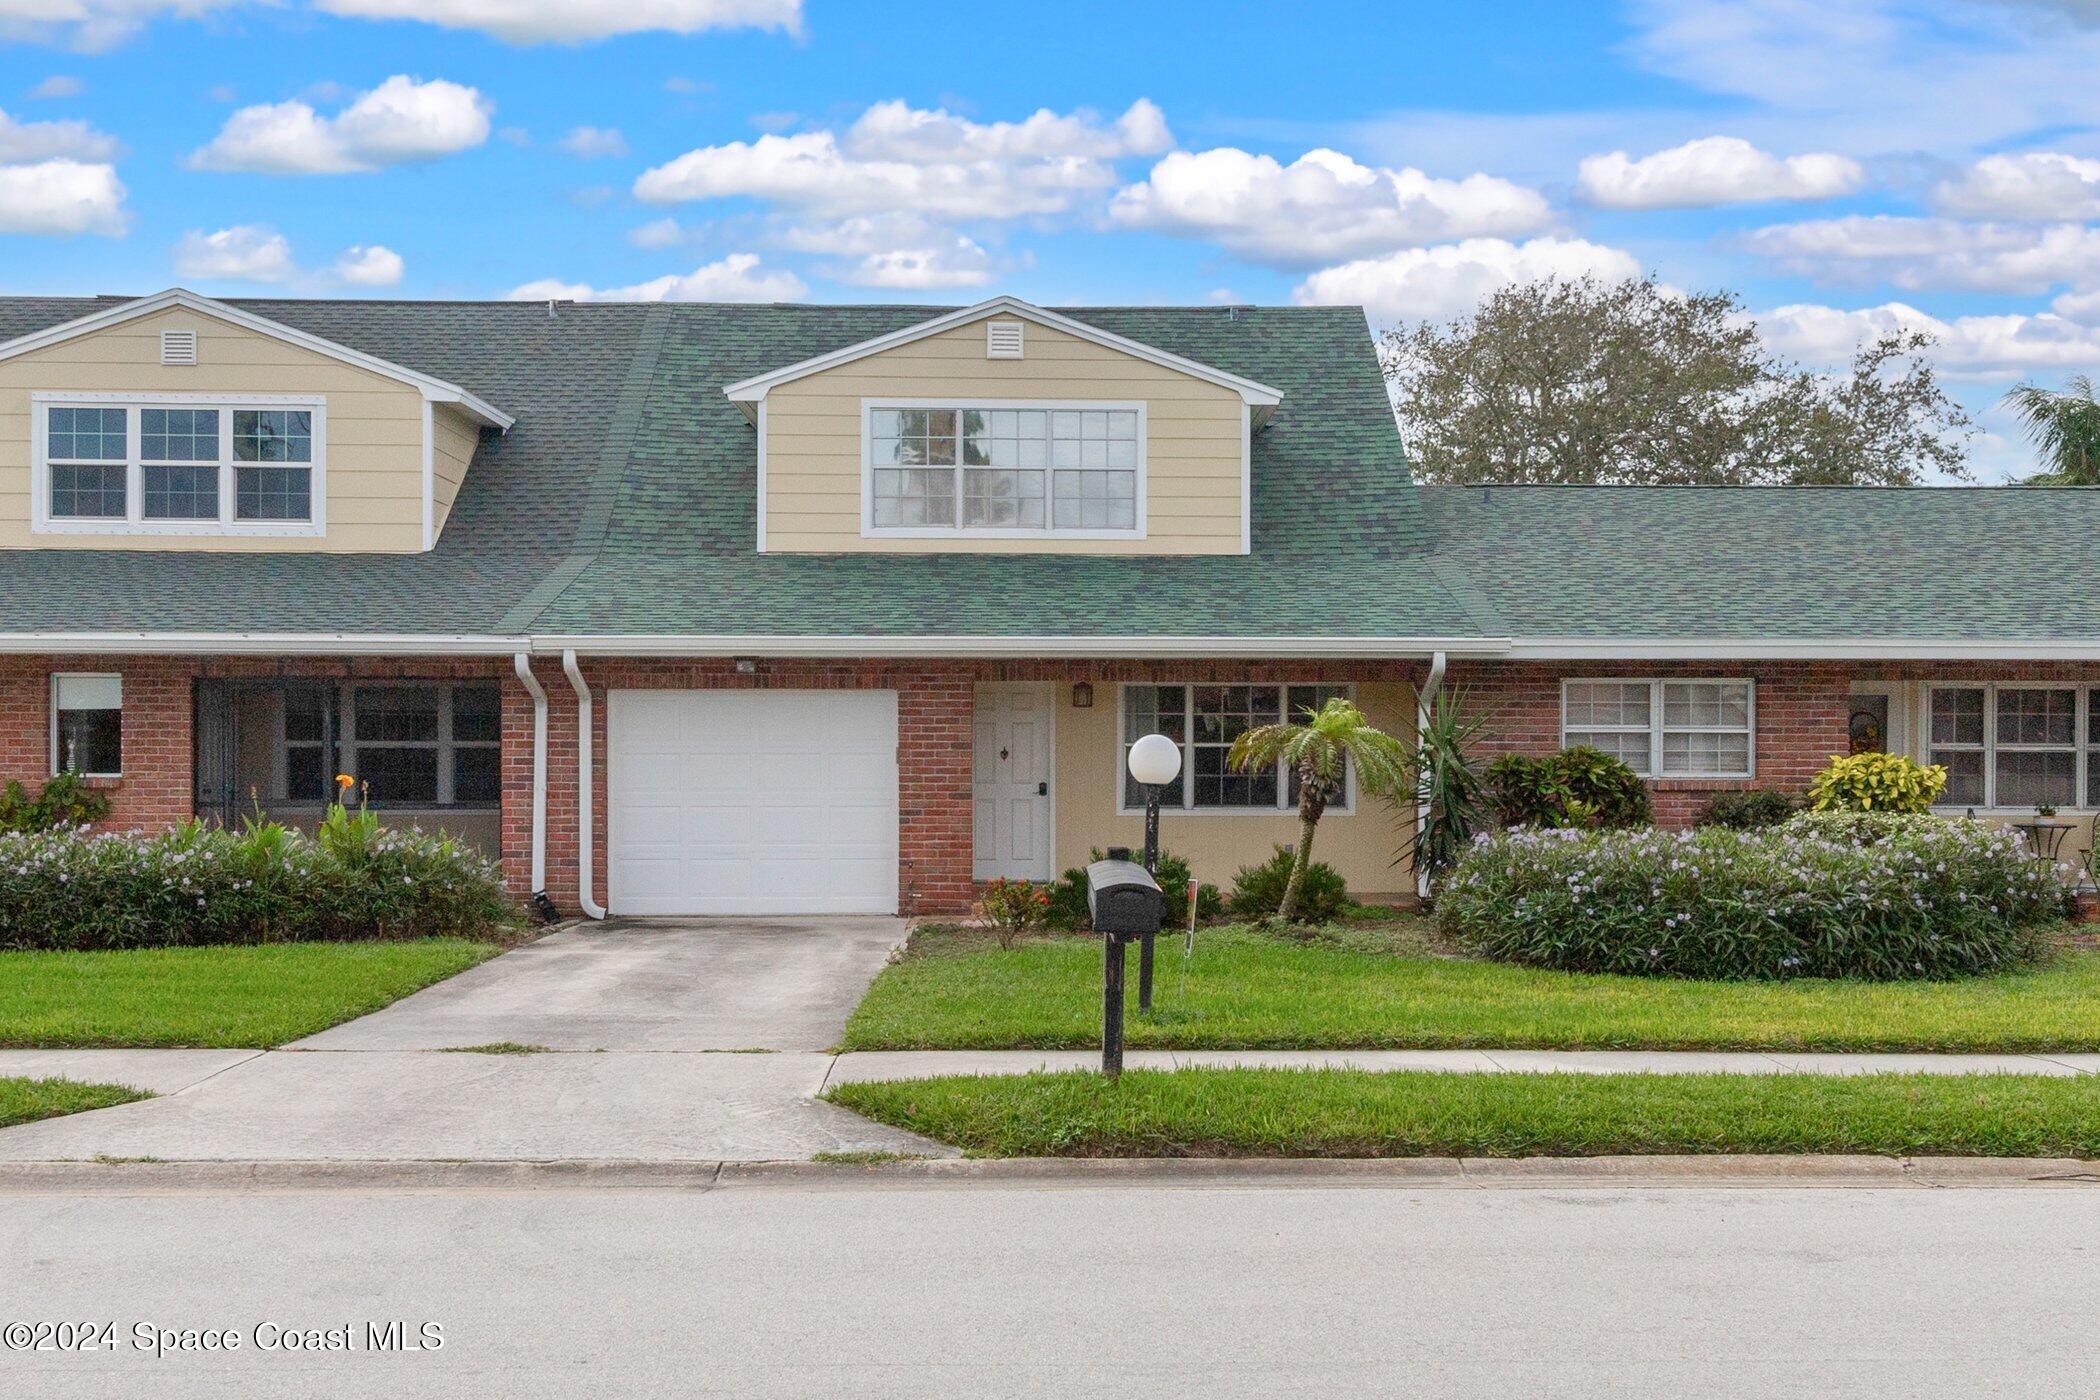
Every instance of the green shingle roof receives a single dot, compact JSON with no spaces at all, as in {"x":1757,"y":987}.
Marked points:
{"x":622,"y":503}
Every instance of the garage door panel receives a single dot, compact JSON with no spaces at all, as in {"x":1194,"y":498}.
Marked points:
{"x":752,"y":802}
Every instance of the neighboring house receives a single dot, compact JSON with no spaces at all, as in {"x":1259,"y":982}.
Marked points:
{"x":861,"y":604}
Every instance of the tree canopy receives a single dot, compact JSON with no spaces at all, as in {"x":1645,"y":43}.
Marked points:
{"x":1631,"y":383}
{"x":2064,"y":427}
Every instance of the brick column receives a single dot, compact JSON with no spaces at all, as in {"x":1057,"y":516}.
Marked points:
{"x":937,"y":825}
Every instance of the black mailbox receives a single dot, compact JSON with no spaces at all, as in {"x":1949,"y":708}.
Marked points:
{"x":1123,"y":898}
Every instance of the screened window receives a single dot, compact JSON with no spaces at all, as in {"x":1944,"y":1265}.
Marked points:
{"x":160,"y":467}
{"x":1011,"y":470}
{"x":1665,"y":728}
{"x":422,"y":744}
{"x":87,"y":725}
{"x":2014,"y":746}
{"x":1205,"y":720}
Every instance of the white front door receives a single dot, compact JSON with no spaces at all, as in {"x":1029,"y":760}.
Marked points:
{"x":1013,"y":781}
{"x":752,"y":801}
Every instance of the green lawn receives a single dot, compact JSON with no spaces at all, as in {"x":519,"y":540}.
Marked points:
{"x":221,"y":996}
{"x":26,"y":1100}
{"x":1345,"y":1113}
{"x":1383,"y":986}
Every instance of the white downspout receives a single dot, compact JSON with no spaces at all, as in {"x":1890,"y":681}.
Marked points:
{"x":584,"y":873}
{"x":1423,"y":698}
{"x":522,"y":662}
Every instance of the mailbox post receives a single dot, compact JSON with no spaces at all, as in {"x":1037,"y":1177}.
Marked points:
{"x":1155,"y":761}
{"x":1125,"y":903}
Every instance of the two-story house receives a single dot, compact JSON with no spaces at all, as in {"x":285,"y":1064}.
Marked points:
{"x":797,"y":609}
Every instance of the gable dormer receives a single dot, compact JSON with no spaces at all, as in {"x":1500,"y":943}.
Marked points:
{"x":178,"y":422}
{"x":1003,"y":428}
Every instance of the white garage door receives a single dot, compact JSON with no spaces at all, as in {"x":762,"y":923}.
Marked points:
{"x":752,"y":801}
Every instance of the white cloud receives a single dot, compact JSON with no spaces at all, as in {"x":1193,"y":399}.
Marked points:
{"x":61,"y":197}
{"x":399,"y":122}
{"x":934,"y":162}
{"x":657,"y":233}
{"x":1321,"y":206}
{"x":243,"y":253}
{"x":1983,"y":347}
{"x":1934,"y":254}
{"x":960,"y":262}
{"x":93,"y":25}
{"x":1710,"y":171}
{"x":370,"y":265}
{"x":2037,"y":185}
{"x":580,"y":21}
{"x":66,"y":140}
{"x":594,"y":142}
{"x":1452,"y":278}
{"x":737,"y":277}
{"x":57,"y":86}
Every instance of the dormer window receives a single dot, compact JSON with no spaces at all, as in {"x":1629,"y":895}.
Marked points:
{"x":1004,"y":470}
{"x":179,"y":464}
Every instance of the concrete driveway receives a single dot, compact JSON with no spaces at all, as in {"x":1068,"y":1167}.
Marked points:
{"x":646,"y":984}
{"x":642,"y":1020}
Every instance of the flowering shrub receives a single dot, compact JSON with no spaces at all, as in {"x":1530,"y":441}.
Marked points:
{"x":198,"y":884}
{"x":1855,"y":895}
{"x":1015,"y":907}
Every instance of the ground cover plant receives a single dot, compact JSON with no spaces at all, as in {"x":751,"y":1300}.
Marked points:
{"x":1353,"y":1113}
{"x":197,"y":884}
{"x":1851,"y":895}
{"x":220,"y":997}
{"x":1396,"y":984}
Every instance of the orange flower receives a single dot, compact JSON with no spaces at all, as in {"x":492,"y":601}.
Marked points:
{"x":345,"y":781}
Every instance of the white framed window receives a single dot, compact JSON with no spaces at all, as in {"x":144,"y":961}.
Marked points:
{"x":87,"y":724}
{"x":177,"y":464}
{"x":1002,"y":470}
{"x":2014,"y":745}
{"x":1674,"y":728}
{"x":1205,"y":719}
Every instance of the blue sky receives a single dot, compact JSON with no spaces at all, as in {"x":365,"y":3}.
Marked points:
{"x":1848,"y":166}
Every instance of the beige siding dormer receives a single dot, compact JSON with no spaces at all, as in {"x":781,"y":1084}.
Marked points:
{"x":387,"y":462}
{"x":1194,"y":442}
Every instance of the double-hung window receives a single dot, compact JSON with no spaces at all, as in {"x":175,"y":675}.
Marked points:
{"x":1004,"y":470}
{"x":1665,"y":728}
{"x":1205,"y":720}
{"x":2015,"y":746}
{"x":87,"y":724}
{"x":182,"y":464}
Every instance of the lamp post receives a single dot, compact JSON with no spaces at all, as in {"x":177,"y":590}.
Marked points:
{"x":1155,"y":761}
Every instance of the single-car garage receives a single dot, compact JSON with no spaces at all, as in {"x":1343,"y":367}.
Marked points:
{"x":751,"y":801}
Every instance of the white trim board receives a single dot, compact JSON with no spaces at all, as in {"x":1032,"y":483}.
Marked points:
{"x":434,"y":389}
{"x":751,"y":391}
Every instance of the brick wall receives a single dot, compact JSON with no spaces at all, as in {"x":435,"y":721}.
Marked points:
{"x":1801,"y":716}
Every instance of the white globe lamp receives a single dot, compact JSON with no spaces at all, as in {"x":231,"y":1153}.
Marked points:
{"x":1155,"y":761}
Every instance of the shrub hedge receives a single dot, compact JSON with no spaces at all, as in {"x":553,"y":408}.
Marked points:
{"x":1749,"y":809}
{"x":1257,"y":890}
{"x":1839,"y":895}
{"x":1579,"y":786}
{"x":198,"y":884}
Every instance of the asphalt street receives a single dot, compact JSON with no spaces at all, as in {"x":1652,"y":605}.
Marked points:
{"x":981,"y":1289}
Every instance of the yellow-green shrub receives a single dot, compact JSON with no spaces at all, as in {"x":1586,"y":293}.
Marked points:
{"x":1876,"y":782}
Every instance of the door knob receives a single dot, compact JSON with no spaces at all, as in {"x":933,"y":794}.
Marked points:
{"x":1042,"y":789}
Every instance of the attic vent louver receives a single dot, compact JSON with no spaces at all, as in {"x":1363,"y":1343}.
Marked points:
{"x":1002,"y":340}
{"x":178,"y":347}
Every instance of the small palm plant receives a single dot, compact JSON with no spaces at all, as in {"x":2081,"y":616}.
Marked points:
{"x":2064,"y":428}
{"x":1319,"y":752}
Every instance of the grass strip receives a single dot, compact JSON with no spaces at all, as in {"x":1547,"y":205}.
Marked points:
{"x":1356,"y":1113}
{"x":1362,"y":990}
{"x":27,"y":1100}
{"x":218,"y":997}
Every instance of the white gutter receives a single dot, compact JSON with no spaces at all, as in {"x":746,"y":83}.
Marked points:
{"x":1423,"y":698}
{"x":257,"y":644}
{"x":584,"y":874}
{"x":522,"y":662}
{"x":1359,"y":648}
{"x":1796,"y":649}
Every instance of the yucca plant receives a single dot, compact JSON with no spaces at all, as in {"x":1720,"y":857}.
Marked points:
{"x":1448,"y":785}
{"x":1319,"y":752}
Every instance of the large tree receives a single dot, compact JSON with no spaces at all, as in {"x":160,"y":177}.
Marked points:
{"x":2064,"y":427}
{"x":1629,"y":382}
